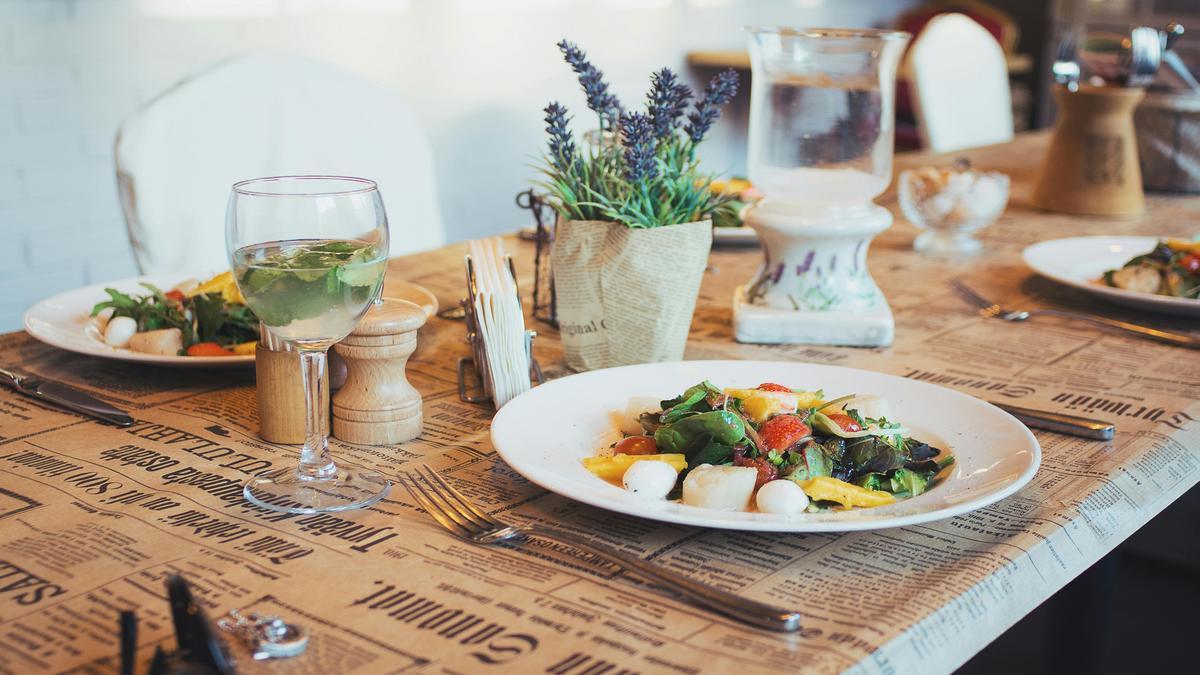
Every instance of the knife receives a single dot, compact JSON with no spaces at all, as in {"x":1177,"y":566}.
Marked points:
{"x":1062,"y":423}
{"x":67,"y":397}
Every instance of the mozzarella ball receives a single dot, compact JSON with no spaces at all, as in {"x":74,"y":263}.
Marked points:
{"x":783,"y":497}
{"x":650,"y":479}
{"x":119,"y":330}
{"x":727,"y":488}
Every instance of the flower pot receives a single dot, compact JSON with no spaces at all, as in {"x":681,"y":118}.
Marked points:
{"x":626,"y":295}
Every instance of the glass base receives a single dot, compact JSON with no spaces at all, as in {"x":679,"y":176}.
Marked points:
{"x":284,"y":490}
{"x":947,"y":245}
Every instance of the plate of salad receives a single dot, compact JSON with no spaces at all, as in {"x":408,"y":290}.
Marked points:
{"x":166,"y":320}
{"x":766,"y":446}
{"x":1148,"y":273}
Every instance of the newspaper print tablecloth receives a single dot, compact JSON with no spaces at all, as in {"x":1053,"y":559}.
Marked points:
{"x":92,"y":517}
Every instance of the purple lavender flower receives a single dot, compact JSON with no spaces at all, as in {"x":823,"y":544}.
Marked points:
{"x":591,"y":79}
{"x":719,"y":91}
{"x":667,"y":101}
{"x":562,"y":147}
{"x":637,"y":135}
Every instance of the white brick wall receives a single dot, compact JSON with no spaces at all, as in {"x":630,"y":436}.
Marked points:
{"x":477,"y":71}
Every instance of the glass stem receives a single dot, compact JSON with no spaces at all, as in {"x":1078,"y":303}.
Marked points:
{"x":315,"y":462}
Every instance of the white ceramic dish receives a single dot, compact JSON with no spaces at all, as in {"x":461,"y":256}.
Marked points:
{"x":63,"y":321}
{"x":1079,"y":261}
{"x":544,"y":433}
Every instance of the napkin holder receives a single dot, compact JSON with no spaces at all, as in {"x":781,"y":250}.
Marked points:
{"x":478,"y":361}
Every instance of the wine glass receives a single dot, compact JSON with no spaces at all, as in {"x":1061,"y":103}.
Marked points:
{"x":309,"y":254}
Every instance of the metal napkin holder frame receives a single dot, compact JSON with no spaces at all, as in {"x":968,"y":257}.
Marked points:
{"x":478,"y":359}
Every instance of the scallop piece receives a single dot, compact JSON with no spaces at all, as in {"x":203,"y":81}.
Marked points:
{"x":727,"y":488}
{"x":629,"y":424}
{"x":1140,"y":278}
{"x":100,"y":321}
{"x":165,"y":342}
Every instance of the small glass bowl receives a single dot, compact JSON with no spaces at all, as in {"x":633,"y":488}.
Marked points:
{"x":951,"y":204}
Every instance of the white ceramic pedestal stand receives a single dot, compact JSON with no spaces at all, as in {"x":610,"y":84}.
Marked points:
{"x":813,"y":286}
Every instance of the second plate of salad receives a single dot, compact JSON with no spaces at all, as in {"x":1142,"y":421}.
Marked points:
{"x":769,"y":446}
{"x":1147,"y":273}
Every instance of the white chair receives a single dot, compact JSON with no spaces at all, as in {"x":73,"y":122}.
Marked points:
{"x":264,"y":114}
{"x":960,"y":85}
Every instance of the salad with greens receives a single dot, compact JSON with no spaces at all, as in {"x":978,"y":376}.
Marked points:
{"x":1172,"y":268}
{"x":773,"y":448}
{"x":191,"y":319}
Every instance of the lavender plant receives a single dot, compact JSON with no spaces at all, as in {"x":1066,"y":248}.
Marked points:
{"x":635,"y":168}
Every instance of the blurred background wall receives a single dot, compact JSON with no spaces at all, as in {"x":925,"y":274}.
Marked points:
{"x":478,"y":73}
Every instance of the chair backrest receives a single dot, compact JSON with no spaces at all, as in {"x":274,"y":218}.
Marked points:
{"x":961,"y":87}
{"x":265,"y":114}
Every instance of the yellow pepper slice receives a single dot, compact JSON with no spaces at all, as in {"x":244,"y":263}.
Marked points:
{"x":613,"y":468}
{"x":224,"y":284}
{"x":761,"y":405}
{"x":829,"y":489}
{"x":1184,"y":246}
{"x":245,"y":347}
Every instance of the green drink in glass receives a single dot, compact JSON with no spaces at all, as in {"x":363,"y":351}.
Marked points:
{"x":309,"y":254}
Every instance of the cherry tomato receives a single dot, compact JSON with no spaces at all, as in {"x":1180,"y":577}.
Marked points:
{"x":782,"y":431}
{"x":771,"y":386}
{"x":177,"y":296}
{"x":1191,"y":263}
{"x":846,"y":422}
{"x":208,"y":349}
{"x":636,"y":445}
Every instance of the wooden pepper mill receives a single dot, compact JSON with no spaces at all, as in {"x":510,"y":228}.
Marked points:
{"x":377,"y":405}
{"x":1092,"y":165}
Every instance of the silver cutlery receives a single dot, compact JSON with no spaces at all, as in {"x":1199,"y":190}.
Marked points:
{"x":67,"y":397}
{"x":465,"y":520}
{"x":991,"y":310}
{"x":1062,"y":423}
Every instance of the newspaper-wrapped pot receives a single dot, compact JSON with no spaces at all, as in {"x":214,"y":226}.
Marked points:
{"x":626,"y":295}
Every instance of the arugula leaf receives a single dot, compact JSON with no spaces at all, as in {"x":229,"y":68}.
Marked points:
{"x":903,"y":480}
{"x":854,"y":415}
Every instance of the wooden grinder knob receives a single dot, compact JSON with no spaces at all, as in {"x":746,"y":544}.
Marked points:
{"x":377,"y":405}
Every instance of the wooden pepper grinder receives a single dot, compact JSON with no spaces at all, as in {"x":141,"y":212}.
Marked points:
{"x":377,"y":405}
{"x":1091,"y":167}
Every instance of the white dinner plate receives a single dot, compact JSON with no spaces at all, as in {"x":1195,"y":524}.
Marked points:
{"x":545,"y":433}
{"x":1080,"y":261}
{"x":63,"y":321}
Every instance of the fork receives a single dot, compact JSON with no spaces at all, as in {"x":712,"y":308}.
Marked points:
{"x":989,"y":309}
{"x":466,"y":521}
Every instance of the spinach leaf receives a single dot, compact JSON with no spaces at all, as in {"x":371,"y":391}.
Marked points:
{"x":708,"y":452}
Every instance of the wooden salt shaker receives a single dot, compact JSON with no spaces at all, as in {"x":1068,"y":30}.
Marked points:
{"x":280,"y":387}
{"x":377,"y":405}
